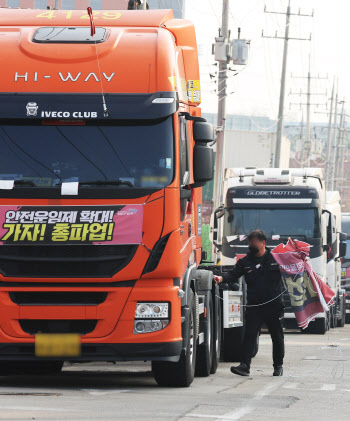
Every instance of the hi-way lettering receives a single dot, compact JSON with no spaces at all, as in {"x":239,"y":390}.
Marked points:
{"x":64,"y":77}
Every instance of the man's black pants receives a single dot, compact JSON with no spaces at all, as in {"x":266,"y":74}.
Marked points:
{"x":272,"y":315}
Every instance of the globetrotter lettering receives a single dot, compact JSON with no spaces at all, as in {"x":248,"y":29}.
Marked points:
{"x":272,"y":193}
{"x":71,"y":225}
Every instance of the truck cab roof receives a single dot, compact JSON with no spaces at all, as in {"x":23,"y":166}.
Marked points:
{"x":140,"y":52}
{"x":276,"y":182}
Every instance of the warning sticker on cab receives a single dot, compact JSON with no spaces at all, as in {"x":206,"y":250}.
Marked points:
{"x":106,"y":225}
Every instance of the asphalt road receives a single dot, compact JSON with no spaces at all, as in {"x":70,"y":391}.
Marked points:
{"x":316,"y":386}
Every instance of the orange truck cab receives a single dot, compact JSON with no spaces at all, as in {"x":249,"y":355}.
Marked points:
{"x":103,"y":157}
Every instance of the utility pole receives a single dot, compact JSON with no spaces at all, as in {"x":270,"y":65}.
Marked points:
{"x":283,"y":76}
{"x":221,"y":123}
{"x":338,"y":151}
{"x":345,"y":153}
{"x":302,"y":137}
{"x":341,"y":159}
{"x":308,"y":93}
{"x":308,"y":112}
{"x":329,"y":138}
{"x":335,"y":123}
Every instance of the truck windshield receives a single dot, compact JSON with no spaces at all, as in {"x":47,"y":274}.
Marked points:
{"x":284,"y":222}
{"x":121,"y":154}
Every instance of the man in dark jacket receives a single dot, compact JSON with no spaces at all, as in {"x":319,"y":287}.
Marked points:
{"x":264,"y":301}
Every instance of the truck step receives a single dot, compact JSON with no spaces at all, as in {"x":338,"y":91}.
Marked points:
{"x":201,"y":299}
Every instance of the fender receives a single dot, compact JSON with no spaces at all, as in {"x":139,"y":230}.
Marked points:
{"x":188,"y":281}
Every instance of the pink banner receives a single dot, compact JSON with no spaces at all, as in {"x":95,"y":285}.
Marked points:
{"x":104,"y":225}
{"x":309,"y":295}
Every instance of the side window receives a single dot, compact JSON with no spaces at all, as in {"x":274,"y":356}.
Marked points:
{"x":184,"y":159}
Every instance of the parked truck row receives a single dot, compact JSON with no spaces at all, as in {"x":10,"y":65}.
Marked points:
{"x":104,"y":157}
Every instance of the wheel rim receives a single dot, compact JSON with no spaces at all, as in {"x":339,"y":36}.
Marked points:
{"x":191,"y":339}
{"x":209,"y":334}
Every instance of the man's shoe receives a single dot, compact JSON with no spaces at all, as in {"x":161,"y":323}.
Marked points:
{"x":278,"y":371}
{"x":241,"y":370}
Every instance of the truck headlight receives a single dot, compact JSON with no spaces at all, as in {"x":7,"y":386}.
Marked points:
{"x":152,"y":310}
{"x":151,"y":317}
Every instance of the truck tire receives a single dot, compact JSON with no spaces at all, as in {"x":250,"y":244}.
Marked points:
{"x":181,"y":373}
{"x":333,"y":316}
{"x":233,"y":344}
{"x":205,"y":349}
{"x":318,"y":326}
{"x":341,"y":321}
{"x":256,"y":346}
{"x":217,"y":332}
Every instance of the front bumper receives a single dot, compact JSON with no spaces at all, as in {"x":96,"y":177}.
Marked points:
{"x":168,"y":351}
{"x":112,"y":339}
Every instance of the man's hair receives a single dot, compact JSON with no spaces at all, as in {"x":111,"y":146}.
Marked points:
{"x":259,"y":234}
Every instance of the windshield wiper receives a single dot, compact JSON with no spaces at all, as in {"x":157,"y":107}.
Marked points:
{"x":106,"y":183}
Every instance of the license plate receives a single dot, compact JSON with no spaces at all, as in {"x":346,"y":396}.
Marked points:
{"x":57,"y":345}
{"x":343,"y":273}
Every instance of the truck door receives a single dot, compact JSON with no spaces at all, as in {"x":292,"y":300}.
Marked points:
{"x":185,"y":193}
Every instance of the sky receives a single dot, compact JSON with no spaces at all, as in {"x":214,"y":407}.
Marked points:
{"x":255,"y":90}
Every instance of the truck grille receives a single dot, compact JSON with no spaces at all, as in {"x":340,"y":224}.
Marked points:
{"x":73,"y":261}
{"x":58,"y":326}
{"x":57,"y":298}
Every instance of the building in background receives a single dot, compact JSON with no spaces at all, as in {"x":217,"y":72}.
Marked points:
{"x":244,"y":122}
{"x":253,"y":149}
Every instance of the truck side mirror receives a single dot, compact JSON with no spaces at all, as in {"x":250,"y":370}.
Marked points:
{"x":203,"y":155}
{"x":203,"y":163}
{"x":203,"y":132}
{"x":218,"y":213}
{"x":342,"y":249}
{"x":342,"y":244}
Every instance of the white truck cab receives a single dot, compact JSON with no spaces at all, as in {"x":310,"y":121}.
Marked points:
{"x":284,"y":203}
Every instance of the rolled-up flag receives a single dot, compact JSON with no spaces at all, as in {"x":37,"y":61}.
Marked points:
{"x":309,"y":295}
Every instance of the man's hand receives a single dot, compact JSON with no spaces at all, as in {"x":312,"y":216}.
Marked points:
{"x":218,"y":279}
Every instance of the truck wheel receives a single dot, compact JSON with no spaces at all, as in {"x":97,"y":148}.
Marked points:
{"x":256,"y":345}
{"x":341,"y":321}
{"x":233,"y":344}
{"x":333,"y":316}
{"x":181,"y":373}
{"x":205,"y":350}
{"x":217,"y":333}
{"x":318,"y":326}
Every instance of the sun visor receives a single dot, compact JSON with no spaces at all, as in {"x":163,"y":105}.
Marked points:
{"x":87,"y":106}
